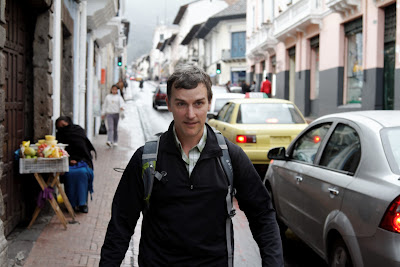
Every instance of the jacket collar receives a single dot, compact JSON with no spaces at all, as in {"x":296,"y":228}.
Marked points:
{"x":168,"y":145}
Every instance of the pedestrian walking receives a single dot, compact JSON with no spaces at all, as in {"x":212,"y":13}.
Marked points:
{"x":266,"y":87}
{"x":228,"y":87}
{"x":112,"y":106}
{"x":185,"y":221}
{"x":78,"y":182}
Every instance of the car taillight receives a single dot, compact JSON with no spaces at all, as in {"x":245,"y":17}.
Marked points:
{"x":161,"y":96}
{"x":391,"y":219}
{"x":245,"y":139}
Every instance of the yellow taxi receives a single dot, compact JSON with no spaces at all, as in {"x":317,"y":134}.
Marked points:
{"x":259,"y":124}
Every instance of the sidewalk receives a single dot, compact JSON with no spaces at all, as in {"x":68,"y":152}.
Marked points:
{"x":80,"y":244}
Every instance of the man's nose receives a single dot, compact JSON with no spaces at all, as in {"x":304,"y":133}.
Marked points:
{"x":190,"y":111}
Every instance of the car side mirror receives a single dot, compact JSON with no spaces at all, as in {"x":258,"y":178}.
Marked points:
{"x":211,"y":115}
{"x":278,"y":153}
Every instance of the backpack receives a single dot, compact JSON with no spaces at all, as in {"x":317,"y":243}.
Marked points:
{"x":149,"y":161}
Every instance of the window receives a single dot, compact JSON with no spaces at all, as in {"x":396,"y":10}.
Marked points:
{"x":391,"y":146}
{"x":222,"y":112}
{"x":343,"y":150}
{"x":260,"y":113}
{"x":307,"y":145}
{"x":314,"y":73}
{"x":228,"y":113}
{"x":238,"y":45}
{"x":354,"y":75}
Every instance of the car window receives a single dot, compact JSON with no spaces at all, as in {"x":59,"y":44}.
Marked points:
{"x":307,"y":145}
{"x":391,"y":146}
{"x":343,"y":150}
{"x":219,"y":103}
{"x":228,"y":113}
{"x":222,"y":112}
{"x":268,"y":113}
{"x":163,"y":89}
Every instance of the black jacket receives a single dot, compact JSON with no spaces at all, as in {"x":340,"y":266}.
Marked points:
{"x":185,"y":225}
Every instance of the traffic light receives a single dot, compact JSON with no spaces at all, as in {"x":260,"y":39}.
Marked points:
{"x":119,"y":61}
{"x":218,"y":68}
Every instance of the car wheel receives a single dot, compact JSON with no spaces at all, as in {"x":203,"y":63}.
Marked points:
{"x":154,"y":106}
{"x":339,"y":255}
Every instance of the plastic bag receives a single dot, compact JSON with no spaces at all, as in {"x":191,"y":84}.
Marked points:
{"x":122,"y":114}
{"x":103,"y":129}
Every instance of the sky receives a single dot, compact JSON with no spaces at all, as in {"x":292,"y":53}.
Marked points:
{"x":144,"y":16}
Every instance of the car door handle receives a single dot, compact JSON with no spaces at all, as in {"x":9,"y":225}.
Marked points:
{"x":299,"y":179}
{"x":333,"y":191}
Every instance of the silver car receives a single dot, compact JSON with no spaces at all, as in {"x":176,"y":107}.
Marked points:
{"x":337,"y":187}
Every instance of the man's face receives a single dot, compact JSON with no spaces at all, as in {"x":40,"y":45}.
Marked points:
{"x":189,"y":108}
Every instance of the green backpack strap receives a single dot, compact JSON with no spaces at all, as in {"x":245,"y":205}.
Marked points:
{"x":225,"y":161}
{"x":149,"y":159}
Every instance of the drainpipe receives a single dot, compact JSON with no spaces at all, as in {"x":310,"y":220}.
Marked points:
{"x":82,"y":65}
{"x":56,"y":62}
{"x":76,"y":64}
{"x":90,"y":72}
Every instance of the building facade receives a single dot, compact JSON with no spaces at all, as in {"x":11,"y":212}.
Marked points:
{"x":56,"y":58}
{"x":326,"y":56}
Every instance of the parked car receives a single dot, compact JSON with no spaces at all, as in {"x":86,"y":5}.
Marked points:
{"x":219,"y":100}
{"x":259,"y":124}
{"x":236,"y":89}
{"x":159,"y":96}
{"x":337,"y":187}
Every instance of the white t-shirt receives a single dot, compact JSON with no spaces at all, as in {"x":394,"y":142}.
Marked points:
{"x":112,"y":104}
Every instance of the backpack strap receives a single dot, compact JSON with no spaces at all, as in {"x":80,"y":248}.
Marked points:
{"x":225,"y":161}
{"x":149,"y":159}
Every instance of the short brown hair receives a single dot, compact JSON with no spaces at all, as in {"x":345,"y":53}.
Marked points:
{"x":189,"y":77}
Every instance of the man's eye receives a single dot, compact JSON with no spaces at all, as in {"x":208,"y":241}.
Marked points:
{"x":199,"y":104}
{"x":180,"y":104}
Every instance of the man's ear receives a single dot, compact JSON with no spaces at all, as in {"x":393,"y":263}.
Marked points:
{"x":209,"y":104}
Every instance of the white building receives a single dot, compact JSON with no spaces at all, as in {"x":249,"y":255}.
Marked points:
{"x":224,"y":36}
{"x":161,"y":34}
{"x":189,"y":15}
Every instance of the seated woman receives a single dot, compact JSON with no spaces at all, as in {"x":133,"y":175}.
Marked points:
{"x":79,"y":180}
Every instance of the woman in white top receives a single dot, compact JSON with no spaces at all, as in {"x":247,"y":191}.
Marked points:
{"x":113,"y":104}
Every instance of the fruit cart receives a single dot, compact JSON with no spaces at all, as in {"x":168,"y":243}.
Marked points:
{"x":53,"y":167}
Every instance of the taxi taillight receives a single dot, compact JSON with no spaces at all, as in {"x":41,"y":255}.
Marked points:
{"x":391,"y":219}
{"x":245,"y":139}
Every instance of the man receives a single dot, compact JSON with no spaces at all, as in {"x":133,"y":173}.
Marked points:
{"x":266,"y":87}
{"x":185,"y":222}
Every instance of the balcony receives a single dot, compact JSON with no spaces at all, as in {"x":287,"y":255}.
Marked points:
{"x":343,"y":6}
{"x":297,"y":17}
{"x":261,"y":41}
{"x":108,"y":32}
{"x":99,"y":12}
{"x":226,"y":56}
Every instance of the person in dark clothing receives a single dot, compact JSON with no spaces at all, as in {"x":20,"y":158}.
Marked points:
{"x":79,"y":180}
{"x":185,"y":224}
{"x":245,"y":87}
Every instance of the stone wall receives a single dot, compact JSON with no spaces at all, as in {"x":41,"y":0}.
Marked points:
{"x":3,"y":241}
{"x":42,"y":81}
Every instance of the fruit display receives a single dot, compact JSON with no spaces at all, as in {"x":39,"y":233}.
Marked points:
{"x":44,"y":148}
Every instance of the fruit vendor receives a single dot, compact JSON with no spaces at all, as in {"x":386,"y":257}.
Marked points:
{"x":78,"y":182}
